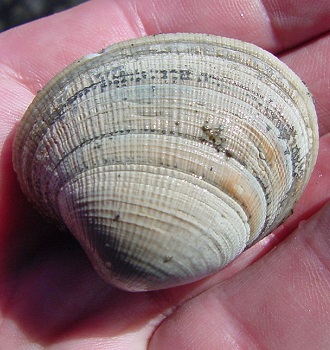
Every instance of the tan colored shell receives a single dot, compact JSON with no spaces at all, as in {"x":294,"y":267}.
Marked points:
{"x":166,"y":156}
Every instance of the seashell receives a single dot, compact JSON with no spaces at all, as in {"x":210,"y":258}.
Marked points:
{"x":167,"y":156}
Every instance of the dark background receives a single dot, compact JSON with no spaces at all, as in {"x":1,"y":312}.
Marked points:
{"x":16,"y":12}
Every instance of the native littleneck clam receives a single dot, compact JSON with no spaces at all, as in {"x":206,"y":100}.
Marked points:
{"x":166,"y":156}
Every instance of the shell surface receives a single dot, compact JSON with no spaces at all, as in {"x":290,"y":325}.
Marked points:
{"x":167,"y":156}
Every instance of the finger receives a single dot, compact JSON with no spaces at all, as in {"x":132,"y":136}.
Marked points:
{"x":280,"y":302}
{"x":274,"y":25}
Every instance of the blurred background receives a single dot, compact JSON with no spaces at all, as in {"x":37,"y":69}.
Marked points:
{"x":16,"y":12}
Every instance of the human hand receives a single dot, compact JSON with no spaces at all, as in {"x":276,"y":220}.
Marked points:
{"x":50,"y":297}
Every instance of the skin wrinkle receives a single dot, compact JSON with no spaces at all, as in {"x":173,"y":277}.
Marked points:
{"x":24,"y":90}
{"x":236,"y":324}
{"x":279,"y":14}
{"x":235,"y":318}
{"x":246,"y":334}
{"x":131,"y":13}
{"x":314,"y":247}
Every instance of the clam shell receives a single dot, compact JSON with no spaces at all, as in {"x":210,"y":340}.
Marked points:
{"x":166,"y":156}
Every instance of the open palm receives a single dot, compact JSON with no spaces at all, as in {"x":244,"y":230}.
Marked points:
{"x":50,"y":296}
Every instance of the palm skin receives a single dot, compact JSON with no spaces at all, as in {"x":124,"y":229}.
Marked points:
{"x":50,"y":297}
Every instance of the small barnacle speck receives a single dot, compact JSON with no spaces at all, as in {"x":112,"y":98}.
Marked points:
{"x":167,"y":258}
